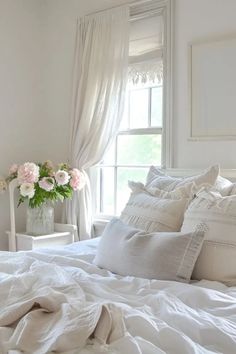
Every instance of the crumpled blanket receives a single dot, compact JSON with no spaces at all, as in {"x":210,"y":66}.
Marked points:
{"x":43,"y":310}
{"x":161,"y":317}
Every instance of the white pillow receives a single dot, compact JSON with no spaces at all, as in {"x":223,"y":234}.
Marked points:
{"x":233,"y":189}
{"x":217,"y":260}
{"x":223,"y":185}
{"x":157,"y":178}
{"x":153,"y":210}
{"x":166,"y":256}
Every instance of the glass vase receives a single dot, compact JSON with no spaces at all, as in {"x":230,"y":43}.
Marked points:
{"x":40,"y":221}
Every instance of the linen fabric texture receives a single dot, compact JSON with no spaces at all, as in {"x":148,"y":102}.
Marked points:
{"x":217,"y":214}
{"x":158,"y":316}
{"x":164,"y":256}
{"x":155,"y":210}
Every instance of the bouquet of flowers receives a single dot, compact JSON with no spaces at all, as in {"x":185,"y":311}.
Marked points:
{"x":40,"y":183}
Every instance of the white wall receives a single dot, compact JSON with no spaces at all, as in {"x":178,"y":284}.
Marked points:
{"x":198,"y":19}
{"x":21,"y":90}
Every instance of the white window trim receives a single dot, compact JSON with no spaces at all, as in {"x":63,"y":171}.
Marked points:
{"x":167,"y":152}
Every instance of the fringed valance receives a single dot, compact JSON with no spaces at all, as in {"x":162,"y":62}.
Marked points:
{"x":146,"y":72}
{"x":146,"y":50}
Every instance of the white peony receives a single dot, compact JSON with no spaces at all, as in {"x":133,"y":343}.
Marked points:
{"x":47,"y":183}
{"x":27,"y":190}
{"x":62,"y":177}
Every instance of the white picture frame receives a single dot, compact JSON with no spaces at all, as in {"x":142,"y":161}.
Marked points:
{"x":212,"y":88}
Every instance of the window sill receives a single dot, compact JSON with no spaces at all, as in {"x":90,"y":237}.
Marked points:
{"x":99,"y":224}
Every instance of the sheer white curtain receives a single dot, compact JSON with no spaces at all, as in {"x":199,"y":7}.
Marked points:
{"x":100,"y":79}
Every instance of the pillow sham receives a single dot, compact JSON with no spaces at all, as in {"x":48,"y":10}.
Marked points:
{"x":217,"y":260}
{"x":164,"y":256}
{"x":157,"y":178}
{"x":154,"y":210}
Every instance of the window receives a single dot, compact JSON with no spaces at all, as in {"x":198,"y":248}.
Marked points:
{"x":141,"y":138}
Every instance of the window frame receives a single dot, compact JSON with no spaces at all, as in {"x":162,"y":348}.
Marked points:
{"x":166,"y":7}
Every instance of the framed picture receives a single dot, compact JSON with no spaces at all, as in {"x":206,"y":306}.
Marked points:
{"x":212,"y":88}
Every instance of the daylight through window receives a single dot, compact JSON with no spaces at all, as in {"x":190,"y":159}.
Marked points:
{"x":139,"y":142}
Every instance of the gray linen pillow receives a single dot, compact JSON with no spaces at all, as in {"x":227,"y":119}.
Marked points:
{"x":128,"y":251}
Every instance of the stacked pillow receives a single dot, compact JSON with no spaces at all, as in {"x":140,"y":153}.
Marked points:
{"x":160,"y":204}
{"x":159,"y":209}
{"x":217,"y":214}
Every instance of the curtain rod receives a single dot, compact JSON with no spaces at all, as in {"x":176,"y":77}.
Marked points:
{"x":131,"y":4}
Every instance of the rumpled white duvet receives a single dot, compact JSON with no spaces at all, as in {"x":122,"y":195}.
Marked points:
{"x":57,"y":301}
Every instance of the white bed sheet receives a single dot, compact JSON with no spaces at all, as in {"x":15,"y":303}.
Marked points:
{"x":159,"y":316}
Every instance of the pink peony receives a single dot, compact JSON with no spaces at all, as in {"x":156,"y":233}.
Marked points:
{"x":13,"y":169}
{"x":77,"y":180}
{"x":28,"y":173}
{"x":62,"y":177}
{"x":46,"y":183}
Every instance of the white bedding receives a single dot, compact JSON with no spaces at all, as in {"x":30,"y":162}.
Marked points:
{"x":143,"y":316}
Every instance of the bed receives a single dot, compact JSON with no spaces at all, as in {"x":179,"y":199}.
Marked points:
{"x":63,"y":310}
{"x":101,"y":295}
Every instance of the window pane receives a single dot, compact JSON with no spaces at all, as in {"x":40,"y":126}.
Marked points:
{"x":156,"y":107}
{"x":123,"y":191}
{"x":139,"y":149}
{"x":139,"y":108}
{"x":107,"y":190}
